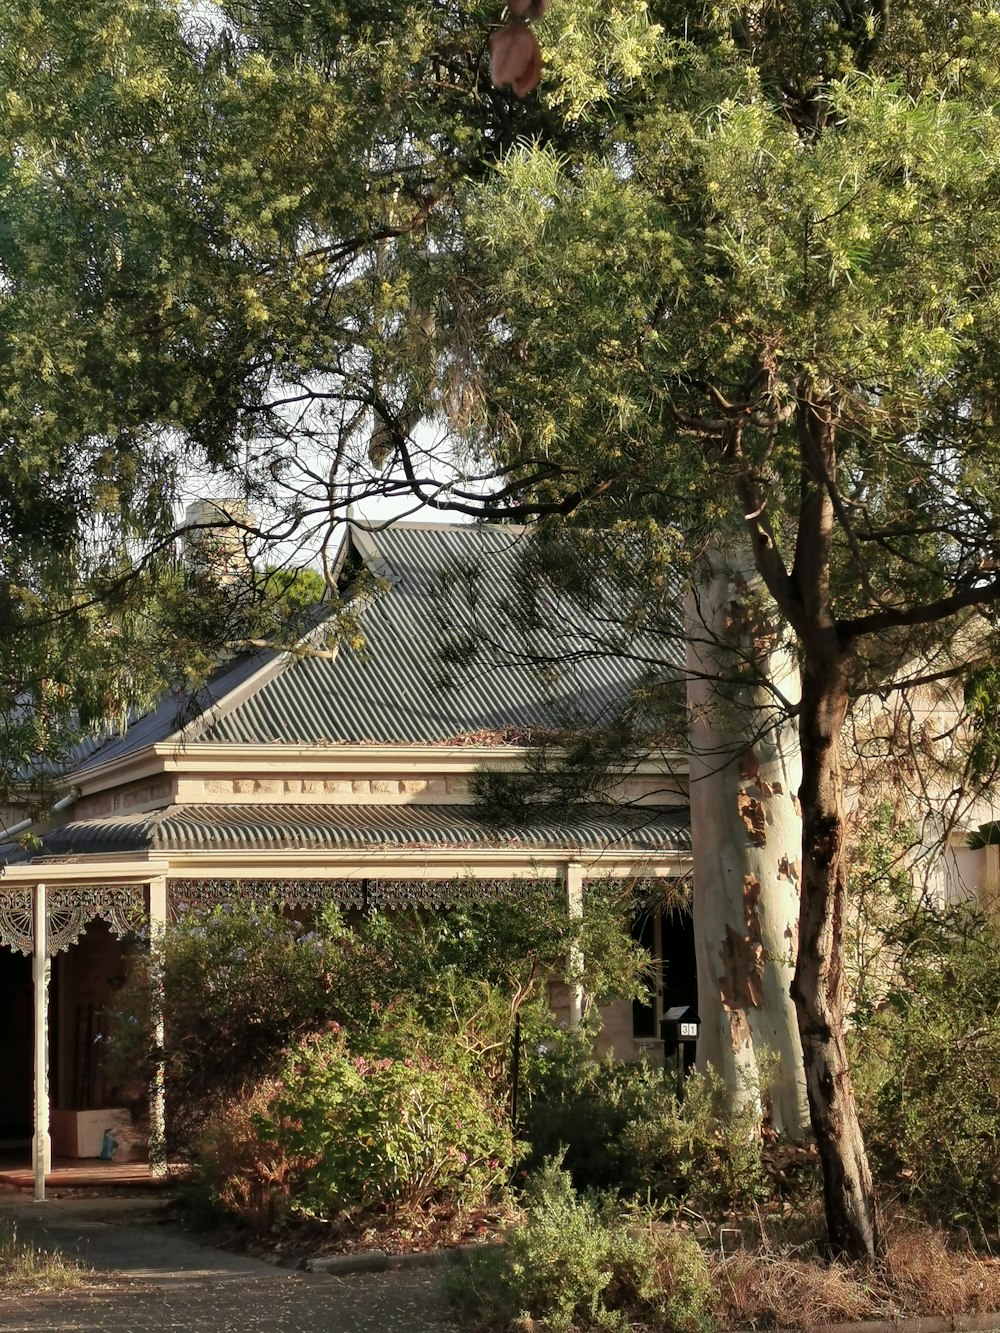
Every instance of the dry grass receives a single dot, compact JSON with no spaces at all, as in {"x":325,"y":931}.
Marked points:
{"x":24,"y":1269}
{"x":791,"y":1287}
{"x":765,"y":1290}
{"x":924,"y":1275}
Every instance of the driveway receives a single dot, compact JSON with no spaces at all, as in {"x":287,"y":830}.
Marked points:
{"x":159,"y":1280}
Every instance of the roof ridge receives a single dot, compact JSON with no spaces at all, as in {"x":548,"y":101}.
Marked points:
{"x":434,"y":525}
{"x":275,"y":661}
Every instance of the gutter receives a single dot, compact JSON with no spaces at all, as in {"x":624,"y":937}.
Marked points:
{"x":72,"y":795}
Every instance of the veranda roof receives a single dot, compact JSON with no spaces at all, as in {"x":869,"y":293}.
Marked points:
{"x":596,"y":828}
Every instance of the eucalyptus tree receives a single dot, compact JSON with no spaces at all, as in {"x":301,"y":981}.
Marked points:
{"x":767,"y":304}
{"x":131,"y":337}
{"x":204,"y":213}
{"x":187,"y":239}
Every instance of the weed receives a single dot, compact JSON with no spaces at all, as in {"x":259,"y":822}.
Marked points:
{"x":24,"y":1268}
{"x":577,"y":1263}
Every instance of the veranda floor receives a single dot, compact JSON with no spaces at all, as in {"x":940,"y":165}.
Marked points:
{"x":85,"y":1173}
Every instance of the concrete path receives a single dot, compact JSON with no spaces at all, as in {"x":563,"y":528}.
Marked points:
{"x":162,"y":1280}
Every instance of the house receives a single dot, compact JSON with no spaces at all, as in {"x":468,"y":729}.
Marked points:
{"x":346,"y":774}
{"x":342,"y":774}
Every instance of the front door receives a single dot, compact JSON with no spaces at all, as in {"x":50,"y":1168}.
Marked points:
{"x":16,"y":1046}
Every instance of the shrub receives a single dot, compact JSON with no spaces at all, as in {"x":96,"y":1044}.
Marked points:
{"x":621,"y":1127}
{"x":511,"y":944}
{"x":239,"y":1170}
{"x":339,"y":1129}
{"x":883,"y":901}
{"x":237,"y":984}
{"x":580,"y":1263}
{"x":927,"y":1070}
{"x":378,"y":1127}
{"x":698,"y":1149}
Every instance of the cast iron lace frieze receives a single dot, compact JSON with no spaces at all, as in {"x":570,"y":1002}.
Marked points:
{"x":310,"y":894}
{"x":68,"y":911}
{"x":363,"y":894}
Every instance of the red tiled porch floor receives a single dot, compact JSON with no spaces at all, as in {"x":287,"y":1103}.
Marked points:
{"x":90,"y":1173}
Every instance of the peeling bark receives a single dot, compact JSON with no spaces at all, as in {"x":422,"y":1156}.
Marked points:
{"x":754,"y":817}
{"x":747,"y":840}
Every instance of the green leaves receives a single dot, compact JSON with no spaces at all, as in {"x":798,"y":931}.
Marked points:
{"x":377,"y":1125}
{"x":245,"y":252}
{"x":927,"y":1063}
{"x":784,"y":205}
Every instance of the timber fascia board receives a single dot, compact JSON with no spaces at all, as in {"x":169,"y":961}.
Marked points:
{"x":402,"y":761}
{"x":111,"y":868}
{"x":422,"y":863}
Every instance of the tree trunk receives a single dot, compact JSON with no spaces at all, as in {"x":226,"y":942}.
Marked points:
{"x":817,"y":988}
{"x":747,"y":836}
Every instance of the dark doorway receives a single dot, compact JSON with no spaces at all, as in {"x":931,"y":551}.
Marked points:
{"x":680,"y":978}
{"x":668,"y":936}
{"x":16,"y":1047}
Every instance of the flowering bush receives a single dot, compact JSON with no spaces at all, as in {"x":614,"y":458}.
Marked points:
{"x":236,"y":985}
{"x":381,"y":1128}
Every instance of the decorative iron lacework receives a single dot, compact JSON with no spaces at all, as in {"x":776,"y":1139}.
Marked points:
{"x":385,"y":894}
{"x":16,"y":924}
{"x":262,"y":893}
{"x":368,"y":894}
{"x":373,"y":894}
{"x":68,"y":911}
{"x":122,"y":906}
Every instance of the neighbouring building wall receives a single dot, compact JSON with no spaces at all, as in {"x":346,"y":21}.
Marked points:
{"x":910,"y":756}
{"x":960,"y":874}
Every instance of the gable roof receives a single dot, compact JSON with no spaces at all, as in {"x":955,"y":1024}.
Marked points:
{"x":452,"y":651}
{"x":175,"y":711}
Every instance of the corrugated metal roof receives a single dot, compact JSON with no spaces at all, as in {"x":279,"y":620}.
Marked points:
{"x":360,"y":827}
{"x":174,"y":712}
{"x":447,"y":654}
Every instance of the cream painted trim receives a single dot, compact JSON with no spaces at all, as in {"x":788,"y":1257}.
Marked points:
{"x":397,"y":759}
{"x":231,"y":760}
{"x":103,"y":869}
{"x":41,"y":972}
{"x":200,"y":757}
{"x":398,"y":863}
{"x":359,"y":536}
{"x":120,"y":772}
{"x":391,"y":863}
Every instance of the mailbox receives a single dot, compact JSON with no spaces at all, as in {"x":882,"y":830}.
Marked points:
{"x":679,"y":1024}
{"x":679,"y":1029}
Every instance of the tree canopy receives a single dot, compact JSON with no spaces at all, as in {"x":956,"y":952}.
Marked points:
{"x":733,"y":269}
